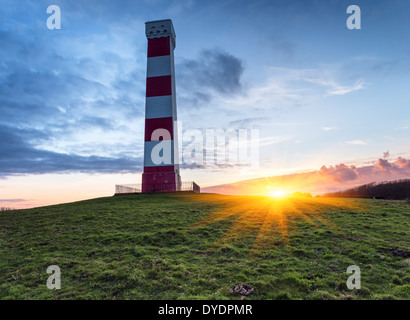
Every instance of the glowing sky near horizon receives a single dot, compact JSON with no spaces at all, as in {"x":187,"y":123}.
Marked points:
{"x":72,"y":100}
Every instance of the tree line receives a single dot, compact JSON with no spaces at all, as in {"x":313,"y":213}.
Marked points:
{"x":392,"y":190}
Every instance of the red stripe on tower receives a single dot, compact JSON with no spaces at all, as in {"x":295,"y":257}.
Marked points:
{"x":158,"y":47}
{"x":158,"y":169}
{"x":161,"y":169}
{"x":159,"y":86}
{"x":159,"y":123}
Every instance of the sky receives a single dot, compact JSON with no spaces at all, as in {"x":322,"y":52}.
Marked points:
{"x":322,"y":98}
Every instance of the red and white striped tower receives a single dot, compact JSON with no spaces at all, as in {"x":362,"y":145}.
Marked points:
{"x":161,"y":168}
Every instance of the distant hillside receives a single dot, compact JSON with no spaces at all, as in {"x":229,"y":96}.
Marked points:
{"x":393,"y":190}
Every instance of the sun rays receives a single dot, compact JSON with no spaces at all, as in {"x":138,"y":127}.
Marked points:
{"x":266,"y":221}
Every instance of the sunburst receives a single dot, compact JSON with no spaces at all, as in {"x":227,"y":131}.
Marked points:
{"x":278,"y":193}
{"x":267,"y":219}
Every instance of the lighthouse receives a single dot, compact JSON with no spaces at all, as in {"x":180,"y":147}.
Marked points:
{"x":161,"y":165}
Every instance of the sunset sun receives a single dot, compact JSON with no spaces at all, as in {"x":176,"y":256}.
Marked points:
{"x":278,"y":193}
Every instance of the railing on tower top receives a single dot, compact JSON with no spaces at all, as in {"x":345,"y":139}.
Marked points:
{"x":136,"y":188}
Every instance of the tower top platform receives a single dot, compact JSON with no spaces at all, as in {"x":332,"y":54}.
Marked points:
{"x":160,"y":28}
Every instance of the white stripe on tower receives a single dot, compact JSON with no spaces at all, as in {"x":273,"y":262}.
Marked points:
{"x":159,"y":66}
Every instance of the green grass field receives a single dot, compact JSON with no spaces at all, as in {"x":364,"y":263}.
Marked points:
{"x":174,"y":246}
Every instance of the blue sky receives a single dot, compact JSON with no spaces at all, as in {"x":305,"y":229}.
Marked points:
{"x":72,"y":100}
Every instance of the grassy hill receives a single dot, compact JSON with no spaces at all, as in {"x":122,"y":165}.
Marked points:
{"x":174,"y":246}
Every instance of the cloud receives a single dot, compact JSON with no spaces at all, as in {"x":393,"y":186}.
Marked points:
{"x":334,"y":87}
{"x":214,"y":69}
{"x":19,"y":156}
{"x":356,"y":142}
{"x":383,"y":164}
{"x":178,"y":7}
{"x":75,"y":102}
{"x":402,"y":163}
{"x":339,"y":173}
{"x":281,"y":45}
{"x":12,"y":200}
{"x":326,"y":179}
{"x":276,"y":94}
{"x":247,"y":122}
{"x":287,"y":88}
{"x":339,"y":90}
{"x":71,"y":102}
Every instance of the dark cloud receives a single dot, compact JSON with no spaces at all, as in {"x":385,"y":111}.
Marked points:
{"x":215,"y":70}
{"x":64,"y":94}
{"x":52,"y":94}
{"x":18,"y":156}
{"x":281,"y":45}
{"x":194,"y":99}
